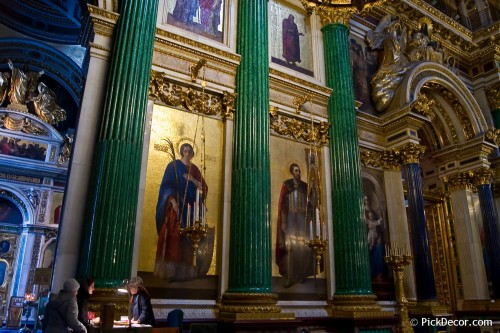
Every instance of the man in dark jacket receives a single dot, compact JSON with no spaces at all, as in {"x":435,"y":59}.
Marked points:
{"x":61,"y":312}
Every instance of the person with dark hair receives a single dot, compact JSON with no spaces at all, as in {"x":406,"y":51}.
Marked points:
{"x":82,"y":299}
{"x":142,"y":310}
{"x":61,"y":312}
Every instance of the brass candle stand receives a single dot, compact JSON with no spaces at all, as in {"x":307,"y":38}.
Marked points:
{"x":195,"y":232}
{"x":318,"y":245}
{"x":398,"y":259}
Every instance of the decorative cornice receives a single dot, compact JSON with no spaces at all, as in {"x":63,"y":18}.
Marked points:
{"x":298,"y":128}
{"x":96,"y":11}
{"x":460,"y":181}
{"x":186,"y":41}
{"x":299,"y":81}
{"x":410,"y":152}
{"x":205,"y":102}
{"x":493,"y":97}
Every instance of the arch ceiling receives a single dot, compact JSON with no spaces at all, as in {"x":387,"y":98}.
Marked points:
{"x":57,"y":21}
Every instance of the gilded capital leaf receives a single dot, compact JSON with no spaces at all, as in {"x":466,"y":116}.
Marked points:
{"x":332,"y":15}
{"x":483,"y":176}
{"x":411,"y":152}
{"x":391,"y":160}
{"x":461,"y":181}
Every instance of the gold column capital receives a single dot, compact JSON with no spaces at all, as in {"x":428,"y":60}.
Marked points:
{"x":391,"y":160}
{"x":333,"y":15}
{"x":493,"y":97}
{"x":461,"y":181}
{"x":410,"y":152}
{"x":483,"y":176}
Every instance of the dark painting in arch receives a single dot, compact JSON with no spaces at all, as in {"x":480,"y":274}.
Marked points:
{"x":9,"y":212}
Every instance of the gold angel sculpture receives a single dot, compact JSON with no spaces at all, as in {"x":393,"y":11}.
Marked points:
{"x":46,"y":107}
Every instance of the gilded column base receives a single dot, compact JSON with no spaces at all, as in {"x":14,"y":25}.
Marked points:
{"x":106,"y":296}
{"x":251,"y":306}
{"x":428,"y":308}
{"x":480,"y":305}
{"x":357,"y":307}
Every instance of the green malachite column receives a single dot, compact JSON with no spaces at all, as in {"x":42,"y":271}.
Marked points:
{"x":249,"y":283}
{"x":108,"y":239}
{"x":352,"y":268}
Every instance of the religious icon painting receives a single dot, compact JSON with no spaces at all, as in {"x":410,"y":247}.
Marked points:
{"x":290,"y":38}
{"x":182,"y":196}
{"x":297,"y":218}
{"x":202,"y":17}
{"x":377,"y":232}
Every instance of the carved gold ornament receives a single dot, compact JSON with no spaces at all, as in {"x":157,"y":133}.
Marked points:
{"x":461,"y":181}
{"x":424,"y":105}
{"x":160,"y":88}
{"x":410,"y":152}
{"x":492,"y":135}
{"x":299,"y":129}
{"x":483,"y":176}
{"x":21,"y":124}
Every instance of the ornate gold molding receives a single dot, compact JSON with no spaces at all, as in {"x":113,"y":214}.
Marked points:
{"x":391,"y":160}
{"x":410,"y":152}
{"x":299,"y":129}
{"x":492,"y":135}
{"x":160,"y":88}
{"x":460,"y":181}
{"x":457,"y":107}
{"x":195,"y":69}
{"x":370,"y":157}
{"x":299,"y":101}
{"x":357,"y":306}
{"x":21,"y":124}
{"x":299,"y":81}
{"x":196,"y":44}
{"x":93,"y":10}
{"x":493,"y":97}
{"x":249,"y":303}
{"x":423,"y":105}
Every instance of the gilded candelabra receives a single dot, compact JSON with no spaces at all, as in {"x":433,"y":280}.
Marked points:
{"x":195,"y":232}
{"x":318,"y":245}
{"x":398,"y":259}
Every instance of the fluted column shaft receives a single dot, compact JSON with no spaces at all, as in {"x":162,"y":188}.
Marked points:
{"x":424,"y":273}
{"x":106,"y":251}
{"x":398,"y":223}
{"x":491,"y":233}
{"x":352,"y":269}
{"x":250,"y":241}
